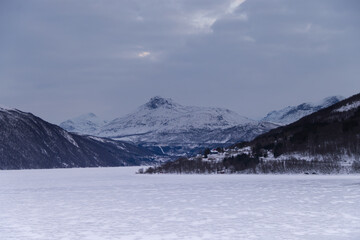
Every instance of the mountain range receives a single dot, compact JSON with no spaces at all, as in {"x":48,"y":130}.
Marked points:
{"x":157,"y":131}
{"x":171,"y":128}
{"x":166,"y":126}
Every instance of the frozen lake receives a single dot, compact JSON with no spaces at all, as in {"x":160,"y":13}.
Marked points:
{"x":115,"y":203}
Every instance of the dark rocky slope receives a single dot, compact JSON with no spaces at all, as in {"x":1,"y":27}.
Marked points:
{"x":28,"y":142}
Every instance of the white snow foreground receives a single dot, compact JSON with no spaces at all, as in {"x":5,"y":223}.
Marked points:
{"x":115,"y":203}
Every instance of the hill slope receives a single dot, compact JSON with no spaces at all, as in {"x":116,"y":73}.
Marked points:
{"x":27,"y":141}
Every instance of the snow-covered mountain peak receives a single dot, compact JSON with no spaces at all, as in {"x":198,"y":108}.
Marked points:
{"x":326,"y":102}
{"x":293,"y":113}
{"x":87,"y":123}
{"x":165,"y":116}
{"x":160,"y":102}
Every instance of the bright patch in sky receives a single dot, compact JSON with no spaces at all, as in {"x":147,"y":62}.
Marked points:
{"x":235,"y":4}
{"x":204,"y":20}
{"x":304,"y":29}
{"x":248,"y":39}
{"x":144,"y":54}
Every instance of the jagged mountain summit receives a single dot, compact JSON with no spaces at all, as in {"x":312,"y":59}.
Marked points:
{"x":291,"y":114}
{"x":85,"y":124}
{"x":26,"y":141}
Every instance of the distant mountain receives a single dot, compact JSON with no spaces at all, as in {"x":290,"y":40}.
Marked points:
{"x":26,"y":141}
{"x":293,"y":113}
{"x":162,"y":120}
{"x":85,"y":124}
{"x":168,"y":127}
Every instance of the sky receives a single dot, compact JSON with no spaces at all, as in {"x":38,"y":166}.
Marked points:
{"x":63,"y":58}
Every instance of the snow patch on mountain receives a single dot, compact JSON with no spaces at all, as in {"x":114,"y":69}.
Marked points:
{"x":69,"y":138}
{"x":348,"y":107}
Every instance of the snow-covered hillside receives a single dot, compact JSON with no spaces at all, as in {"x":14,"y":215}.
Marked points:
{"x":291,"y":114}
{"x":348,"y":107}
{"x":85,"y":124}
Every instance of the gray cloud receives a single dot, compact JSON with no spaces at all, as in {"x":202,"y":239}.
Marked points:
{"x":64,"y":58}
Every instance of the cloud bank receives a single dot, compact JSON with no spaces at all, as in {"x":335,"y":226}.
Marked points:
{"x":63,"y":58}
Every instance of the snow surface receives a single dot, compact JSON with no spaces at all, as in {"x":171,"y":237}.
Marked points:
{"x":348,"y":107}
{"x":115,"y":203}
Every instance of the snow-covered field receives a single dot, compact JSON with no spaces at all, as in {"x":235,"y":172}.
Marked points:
{"x":115,"y":203}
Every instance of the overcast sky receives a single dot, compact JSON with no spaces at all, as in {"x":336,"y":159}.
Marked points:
{"x":62,"y":58}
